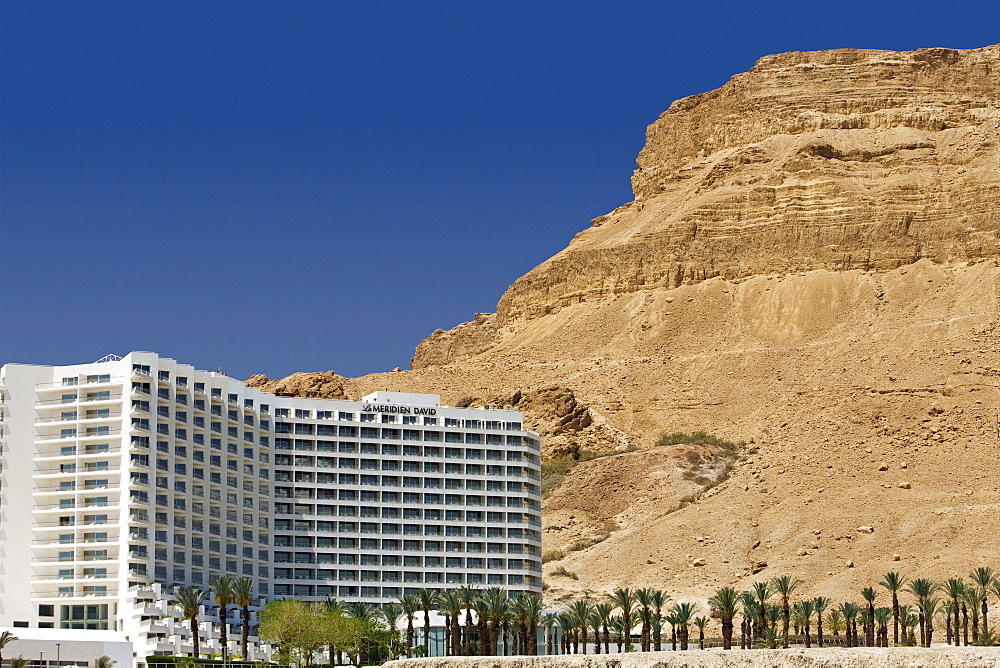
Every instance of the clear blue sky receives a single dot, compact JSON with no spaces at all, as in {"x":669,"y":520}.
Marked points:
{"x":283,"y":186}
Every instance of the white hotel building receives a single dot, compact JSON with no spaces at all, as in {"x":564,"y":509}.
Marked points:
{"x":125,"y":478}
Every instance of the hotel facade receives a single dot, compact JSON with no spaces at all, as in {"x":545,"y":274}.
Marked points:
{"x":123,"y":479}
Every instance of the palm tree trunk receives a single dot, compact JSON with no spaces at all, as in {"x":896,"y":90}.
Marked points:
{"x":947,"y":628}
{"x":607,"y":640}
{"x":682,"y":634}
{"x":244,"y":632}
{"x":986,"y":625}
{"x":223,"y":632}
{"x":895,"y":619}
{"x":956,"y":609}
{"x":965,"y":624}
{"x":923,"y":630}
{"x":784,"y":626}
{"x":427,"y":632}
{"x":701,"y":637}
{"x":806,"y":630}
{"x":468,"y":631}
{"x":930,"y":631}
{"x":195,"y":637}
{"x":727,"y":634}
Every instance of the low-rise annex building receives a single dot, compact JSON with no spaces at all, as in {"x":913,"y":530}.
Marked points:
{"x":124,"y":479}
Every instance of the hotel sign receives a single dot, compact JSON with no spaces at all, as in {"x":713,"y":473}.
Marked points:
{"x":399,"y":410}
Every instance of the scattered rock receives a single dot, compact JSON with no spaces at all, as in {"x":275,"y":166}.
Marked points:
{"x":895,"y":557}
{"x":866,"y":529}
{"x":850,"y":564}
{"x":904,"y":485}
{"x":698,"y":562}
{"x":758,"y":567}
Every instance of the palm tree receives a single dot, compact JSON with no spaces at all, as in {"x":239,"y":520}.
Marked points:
{"x":869,"y":594}
{"x":749,"y":606}
{"x":850,"y":612}
{"x":450,"y":606}
{"x":582,"y":611}
{"x":820,"y":604}
{"x":602,"y":614}
{"x":882,"y":616}
{"x":548,"y":623}
{"x":836,"y":622}
{"x":497,"y":603}
{"x":894,"y":582}
{"x":724,"y":601}
{"x":104,"y":662}
{"x":222,"y":588}
{"x":617,"y":624}
{"x":410,"y":604}
{"x":243,"y":597}
{"x":761,"y":593}
{"x":983,"y":577}
{"x":784,"y":586}
{"x":930,"y":607}
{"x":909,"y":620}
{"x":533,"y":606}
{"x":625,"y":600}
{"x":670,"y":617}
{"x":427,"y":599}
{"x":683,"y":613}
{"x":19,"y":662}
{"x":954,"y":588}
{"x":566,"y":625}
{"x":660,"y":600}
{"x":468,"y":596}
{"x":947,"y":607}
{"x":644,"y":598}
{"x":6,"y":637}
{"x":971,"y":597}
{"x":807,"y":608}
{"x":482,"y":607}
{"x":190,"y":600}
{"x":922,"y":588}
{"x":701,"y":622}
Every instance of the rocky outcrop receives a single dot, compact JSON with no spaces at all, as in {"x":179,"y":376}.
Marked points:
{"x":326,"y":385}
{"x":846,"y":159}
{"x":468,"y":338}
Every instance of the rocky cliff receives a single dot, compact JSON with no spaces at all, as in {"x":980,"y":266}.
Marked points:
{"x":847,"y":159}
{"x":809,"y":267}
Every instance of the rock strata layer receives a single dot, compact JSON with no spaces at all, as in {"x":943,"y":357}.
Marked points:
{"x":846,"y":159}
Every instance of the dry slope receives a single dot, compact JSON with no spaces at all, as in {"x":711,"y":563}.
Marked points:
{"x":810,"y":266}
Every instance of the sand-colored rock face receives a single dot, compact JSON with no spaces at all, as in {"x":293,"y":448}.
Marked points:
{"x":844,"y":159}
{"x":810,"y":266}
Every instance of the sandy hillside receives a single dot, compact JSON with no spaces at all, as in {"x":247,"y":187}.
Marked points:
{"x":809,"y":267}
